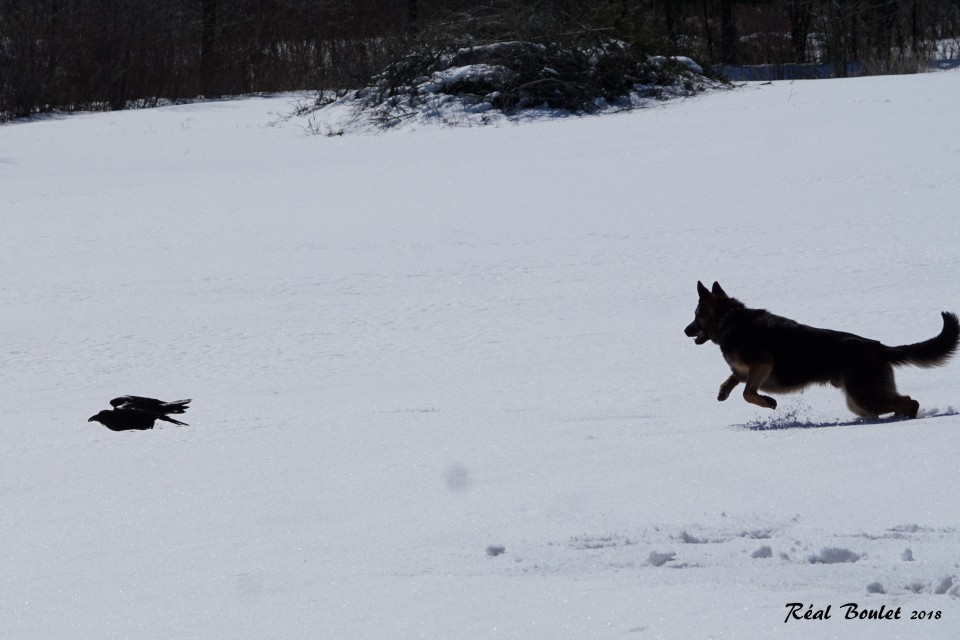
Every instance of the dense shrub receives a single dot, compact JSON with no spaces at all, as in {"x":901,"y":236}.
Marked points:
{"x":485,"y":83}
{"x":512,"y":77}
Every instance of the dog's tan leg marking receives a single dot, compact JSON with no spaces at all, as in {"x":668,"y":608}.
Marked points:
{"x":728,"y":385}
{"x":757,"y":374}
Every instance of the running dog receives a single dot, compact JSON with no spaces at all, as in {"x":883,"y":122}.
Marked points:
{"x":771,"y":353}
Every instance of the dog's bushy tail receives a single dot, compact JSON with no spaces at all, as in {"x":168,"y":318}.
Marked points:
{"x":929,"y":353}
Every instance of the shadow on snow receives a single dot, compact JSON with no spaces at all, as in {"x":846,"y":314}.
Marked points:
{"x":794,"y":421}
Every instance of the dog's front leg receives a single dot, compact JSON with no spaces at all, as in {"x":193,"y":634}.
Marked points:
{"x":757,"y":374}
{"x":728,"y":385}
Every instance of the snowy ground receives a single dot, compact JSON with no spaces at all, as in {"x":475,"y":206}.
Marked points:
{"x":409,"y":350}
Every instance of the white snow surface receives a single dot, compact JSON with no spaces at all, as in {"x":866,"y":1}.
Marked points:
{"x":439,"y":378}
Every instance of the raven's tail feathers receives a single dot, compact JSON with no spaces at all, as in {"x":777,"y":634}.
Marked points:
{"x":160,"y":416}
{"x":177,"y":406}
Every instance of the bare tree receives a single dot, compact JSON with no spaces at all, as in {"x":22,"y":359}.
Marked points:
{"x":110,"y":54}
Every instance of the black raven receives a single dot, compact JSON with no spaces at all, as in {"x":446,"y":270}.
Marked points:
{"x":130,"y":419}
{"x":150,"y":404}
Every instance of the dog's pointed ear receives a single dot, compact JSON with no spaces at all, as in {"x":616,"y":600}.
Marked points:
{"x":718,"y":291}
{"x":702,"y":290}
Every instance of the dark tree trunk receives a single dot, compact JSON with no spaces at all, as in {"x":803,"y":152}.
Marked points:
{"x":799,"y":11}
{"x":412,"y":14}
{"x":728,"y":33}
{"x":208,"y":45}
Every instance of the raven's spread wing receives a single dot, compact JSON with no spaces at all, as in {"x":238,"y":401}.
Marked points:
{"x":152,"y":405}
{"x":135,"y":402}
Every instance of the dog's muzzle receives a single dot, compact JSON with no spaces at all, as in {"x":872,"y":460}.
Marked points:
{"x":695,"y":331}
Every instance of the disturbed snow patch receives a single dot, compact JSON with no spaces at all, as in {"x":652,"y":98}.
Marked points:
{"x":833,"y":555}
{"x":658,"y":559}
{"x":791,"y":551}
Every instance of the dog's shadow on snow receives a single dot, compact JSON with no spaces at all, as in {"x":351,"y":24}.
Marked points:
{"x":794,"y":421}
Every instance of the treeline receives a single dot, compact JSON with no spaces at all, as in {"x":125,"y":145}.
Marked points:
{"x":111,"y":54}
{"x":61,"y":55}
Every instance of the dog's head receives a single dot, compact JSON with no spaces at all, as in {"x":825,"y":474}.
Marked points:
{"x":706,"y":315}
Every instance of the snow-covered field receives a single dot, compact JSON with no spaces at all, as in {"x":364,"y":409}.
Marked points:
{"x":441,"y":387}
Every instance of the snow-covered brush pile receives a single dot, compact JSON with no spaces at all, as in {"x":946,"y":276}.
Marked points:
{"x":509,"y":80}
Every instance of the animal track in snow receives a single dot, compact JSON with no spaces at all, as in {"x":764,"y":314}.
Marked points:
{"x":875,"y":563}
{"x":833,"y":555}
{"x":599,"y":542}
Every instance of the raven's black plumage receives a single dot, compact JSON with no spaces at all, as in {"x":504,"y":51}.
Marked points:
{"x":130,"y":419}
{"x":150,"y":404}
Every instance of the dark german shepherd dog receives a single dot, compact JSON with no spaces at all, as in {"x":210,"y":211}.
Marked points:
{"x":780,"y":355}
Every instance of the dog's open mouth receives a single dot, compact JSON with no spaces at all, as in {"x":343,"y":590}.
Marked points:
{"x":695,"y":331}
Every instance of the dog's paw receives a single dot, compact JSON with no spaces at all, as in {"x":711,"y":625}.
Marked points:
{"x":770,"y":402}
{"x":728,"y":385}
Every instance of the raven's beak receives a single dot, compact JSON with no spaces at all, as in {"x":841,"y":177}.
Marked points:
{"x":92,"y":419}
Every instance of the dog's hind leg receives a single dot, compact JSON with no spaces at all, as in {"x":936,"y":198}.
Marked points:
{"x":757,"y":374}
{"x":907,"y":407}
{"x":871,"y":391}
{"x":728,"y":385}
{"x":871,"y":407}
